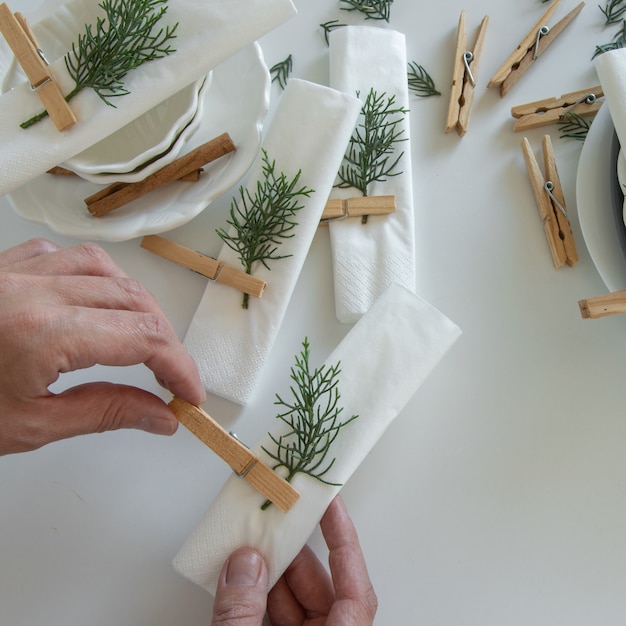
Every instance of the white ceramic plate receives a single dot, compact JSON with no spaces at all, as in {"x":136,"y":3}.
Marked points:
{"x":595,"y":205}
{"x":236,"y":102}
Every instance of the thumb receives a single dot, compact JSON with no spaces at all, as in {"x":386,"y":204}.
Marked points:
{"x":241,"y":595}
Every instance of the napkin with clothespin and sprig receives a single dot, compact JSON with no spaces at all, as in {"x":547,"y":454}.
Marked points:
{"x":207,"y":32}
{"x":368,"y":255}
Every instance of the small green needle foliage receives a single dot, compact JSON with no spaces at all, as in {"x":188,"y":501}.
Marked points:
{"x":618,"y":41}
{"x":574,"y":126}
{"x":371,"y":154}
{"x":329,"y":27}
{"x":313,"y":417}
{"x":259,"y":221}
{"x":420,"y":81}
{"x":613,"y":11}
{"x":126,"y":38}
{"x":280,"y":72}
{"x":371,"y":9}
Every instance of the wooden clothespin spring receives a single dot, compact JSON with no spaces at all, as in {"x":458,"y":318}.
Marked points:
{"x":243,"y":462}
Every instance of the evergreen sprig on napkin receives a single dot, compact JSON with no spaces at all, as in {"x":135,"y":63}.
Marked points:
{"x":127,"y":37}
{"x":259,"y":221}
{"x":313,"y":418}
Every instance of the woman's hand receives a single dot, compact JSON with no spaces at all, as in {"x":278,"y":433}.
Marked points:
{"x":68,"y":309}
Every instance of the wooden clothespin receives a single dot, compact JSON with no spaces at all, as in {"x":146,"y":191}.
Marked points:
{"x":243,"y":462}
{"x":205,"y":265}
{"x":360,"y":206}
{"x":464,"y":76}
{"x":551,"y":204}
{"x":32,"y":60}
{"x":531,"y":48}
{"x":613,"y":303}
{"x":586,"y":102}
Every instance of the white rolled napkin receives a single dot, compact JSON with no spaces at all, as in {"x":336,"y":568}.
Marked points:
{"x":209,"y":31}
{"x":611,"y":68}
{"x":383,"y":360}
{"x":367,"y":258}
{"x":309,"y":133}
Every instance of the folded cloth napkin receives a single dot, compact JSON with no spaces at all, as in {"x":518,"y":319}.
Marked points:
{"x":209,"y":31}
{"x":611,"y":68}
{"x":383,"y":360}
{"x":309,"y":132}
{"x":368,"y":257}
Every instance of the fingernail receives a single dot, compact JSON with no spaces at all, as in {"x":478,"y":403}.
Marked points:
{"x":244,"y":568}
{"x":158,"y":425}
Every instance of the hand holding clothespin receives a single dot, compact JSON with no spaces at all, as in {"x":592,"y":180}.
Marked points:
{"x":205,"y":265}
{"x":243,"y":462}
{"x":551,"y":204}
{"x":531,"y":48}
{"x":585,"y":102}
{"x":464,"y":76}
{"x":32,"y":60}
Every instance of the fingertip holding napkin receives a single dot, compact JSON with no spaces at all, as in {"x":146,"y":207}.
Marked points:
{"x":309,"y":133}
{"x":383,"y":360}
{"x":208,"y":32}
{"x":367,"y":258}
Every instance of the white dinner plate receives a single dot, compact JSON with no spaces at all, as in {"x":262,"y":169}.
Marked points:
{"x":236,"y":102}
{"x":596,"y":172}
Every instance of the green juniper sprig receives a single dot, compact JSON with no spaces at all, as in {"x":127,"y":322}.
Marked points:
{"x":574,"y":126}
{"x":371,"y":9}
{"x":420,"y":81}
{"x":313,"y":418}
{"x":370,"y":156}
{"x":280,"y":72}
{"x":618,"y":41}
{"x":613,"y":11}
{"x":329,"y":27}
{"x":259,"y":221}
{"x":126,"y":38}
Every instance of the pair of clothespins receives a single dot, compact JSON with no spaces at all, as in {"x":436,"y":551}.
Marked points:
{"x":551,"y":204}
{"x":360,"y":206}
{"x":584,"y":102}
{"x":243,"y":462}
{"x":613,"y":303}
{"x":464,"y":76}
{"x":531,"y":48}
{"x":206,"y":266}
{"x":29,"y":55}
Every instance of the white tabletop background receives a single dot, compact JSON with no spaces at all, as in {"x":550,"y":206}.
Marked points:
{"x":498,"y":497}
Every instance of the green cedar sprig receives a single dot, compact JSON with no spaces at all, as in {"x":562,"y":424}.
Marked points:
{"x":313,"y":417}
{"x":613,"y":11}
{"x":371,"y":9}
{"x":420,"y":81}
{"x":574,"y":126}
{"x":126,"y":38}
{"x":260,"y":221}
{"x":329,"y":27}
{"x":280,"y":71}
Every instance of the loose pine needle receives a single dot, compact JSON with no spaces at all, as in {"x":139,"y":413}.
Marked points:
{"x":329,"y":27}
{"x":281,"y":71}
{"x":420,"y":81}
{"x":613,"y":11}
{"x":574,"y":126}
{"x":371,"y":9}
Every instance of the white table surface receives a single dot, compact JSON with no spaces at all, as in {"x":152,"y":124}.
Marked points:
{"x":497,"y":497}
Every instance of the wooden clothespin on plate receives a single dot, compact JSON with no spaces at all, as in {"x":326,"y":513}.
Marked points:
{"x":205,"y":265}
{"x":243,"y":462}
{"x":585,"y":102}
{"x":551,"y":204}
{"x":464,"y":76}
{"x":531,"y":48}
{"x":32,"y":60}
{"x":613,"y":303}
{"x":360,"y":206}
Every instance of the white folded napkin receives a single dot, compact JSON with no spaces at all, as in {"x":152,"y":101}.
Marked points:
{"x":368,"y":257}
{"x":209,"y":32}
{"x":383,"y":359}
{"x":611,"y":68}
{"x":309,"y":132}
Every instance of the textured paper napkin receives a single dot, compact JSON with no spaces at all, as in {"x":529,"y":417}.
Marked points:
{"x":611,"y":68}
{"x":209,"y":32}
{"x":309,"y":132}
{"x":369,"y":257}
{"x":384,"y":359}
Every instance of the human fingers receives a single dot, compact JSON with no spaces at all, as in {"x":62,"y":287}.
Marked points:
{"x":241,"y":595}
{"x":27,"y":250}
{"x":353,"y":589}
{"x":304,"y":591}
{"x":85,"y":259}
{"x":81,"y":410}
